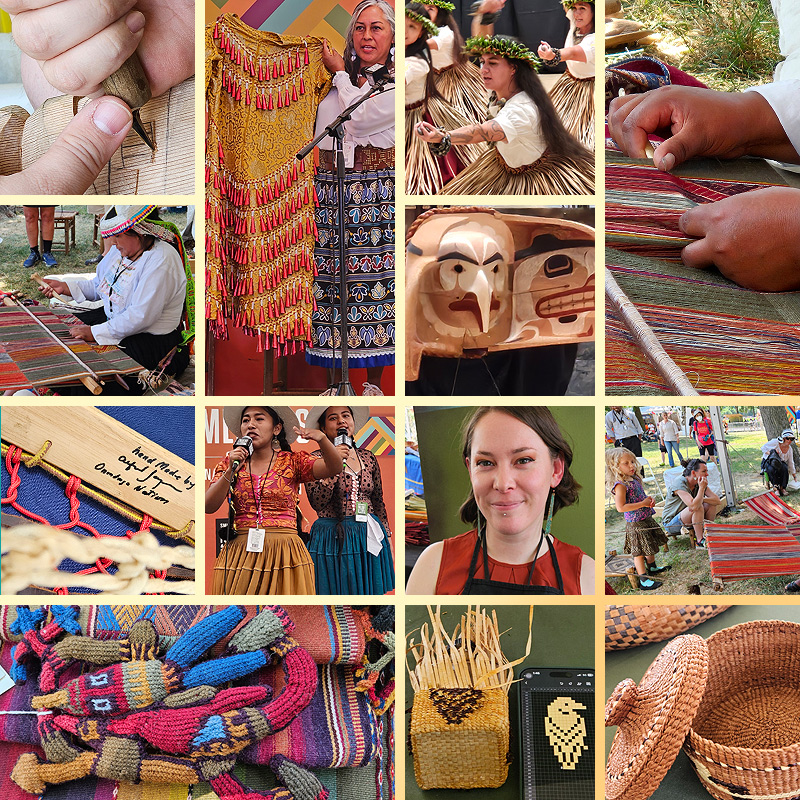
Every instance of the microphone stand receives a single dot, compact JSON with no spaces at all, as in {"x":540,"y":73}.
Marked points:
{"x":336,"y":131}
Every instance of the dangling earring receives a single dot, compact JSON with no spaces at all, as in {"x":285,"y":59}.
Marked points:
{"x":551,"y":502}
{"x":276,"y":443}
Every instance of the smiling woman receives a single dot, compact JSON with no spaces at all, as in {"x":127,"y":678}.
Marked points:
{"x":519,"y":470}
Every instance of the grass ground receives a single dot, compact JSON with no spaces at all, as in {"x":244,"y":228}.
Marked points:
{"x":14,"y":249}
{"x":690,"y":566}
{"x":727,"y":44}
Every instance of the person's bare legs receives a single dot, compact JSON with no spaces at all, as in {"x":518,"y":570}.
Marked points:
{"x":32,"y":224}
{"x":47,"y":215}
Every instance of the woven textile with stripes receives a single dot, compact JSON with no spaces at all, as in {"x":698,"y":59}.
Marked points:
{"x":29,"y":357}
{"x":769,"y":507}
{"x":725,"y":338}
{"x":737,"y":552}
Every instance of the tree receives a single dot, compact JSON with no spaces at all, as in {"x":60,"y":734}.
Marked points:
{"x":775,"y":421}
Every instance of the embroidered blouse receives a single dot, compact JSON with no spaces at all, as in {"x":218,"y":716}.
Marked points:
{"x":334,"y":498}
{"x":270,"y":504}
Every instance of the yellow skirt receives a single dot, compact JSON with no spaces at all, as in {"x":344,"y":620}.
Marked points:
{"x":284,"y":566}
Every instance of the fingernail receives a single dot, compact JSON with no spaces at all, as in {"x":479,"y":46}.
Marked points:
{"x":667,"y":162}
{"x":111,"y":116}
{"x":135,"y":21}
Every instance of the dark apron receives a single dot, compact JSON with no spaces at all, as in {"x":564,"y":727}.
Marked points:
{"x":486,"y":586}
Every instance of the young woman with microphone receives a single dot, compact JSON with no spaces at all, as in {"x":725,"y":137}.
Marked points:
{"x":350,"y":539}
{"x":266,"y":555}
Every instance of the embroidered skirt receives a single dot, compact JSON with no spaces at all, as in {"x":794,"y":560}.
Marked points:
{"x":574,"y":100}
{"x":550,"y":174}
{"x":349,"y":568}
{"x":284,"y":566}
{"x":644,"y":538}
{"x":369,"y":231}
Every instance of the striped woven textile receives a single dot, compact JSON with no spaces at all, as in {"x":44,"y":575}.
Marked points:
{"x":737,"y":552}
{"x":769,"y":507}
{"x":29,"y":357}
{"x":726,"y":339}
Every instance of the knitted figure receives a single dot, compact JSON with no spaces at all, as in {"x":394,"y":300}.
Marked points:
{"x":125,"y":710}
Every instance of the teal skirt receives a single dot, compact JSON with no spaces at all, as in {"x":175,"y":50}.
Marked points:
{"x":349,"y":568}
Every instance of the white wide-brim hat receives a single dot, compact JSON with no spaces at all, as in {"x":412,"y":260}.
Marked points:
{"x":233,"y":419}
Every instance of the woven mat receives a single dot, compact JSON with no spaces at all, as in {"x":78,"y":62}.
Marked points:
{"x":737,"y":552}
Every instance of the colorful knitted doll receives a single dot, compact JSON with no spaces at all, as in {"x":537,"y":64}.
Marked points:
{"x":164,"y":720}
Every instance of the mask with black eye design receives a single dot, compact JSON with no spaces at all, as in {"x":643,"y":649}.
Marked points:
{"x":478,"y":281}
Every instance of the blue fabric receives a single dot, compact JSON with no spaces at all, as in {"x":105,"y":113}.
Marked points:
{"x":674,"y":524}
{"x":414,"y":474}
{"x":202,"y":635}
{"x":352,"y":570}
{"x":673,"y":447}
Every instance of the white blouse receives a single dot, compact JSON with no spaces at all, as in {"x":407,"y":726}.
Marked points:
{"x":144,"y":296}
{"x":442,"y":54}
{"x":519,"y":119}
{"x":416,"y":75}
{"x":581,"y":69}
{"x":372,"y":122}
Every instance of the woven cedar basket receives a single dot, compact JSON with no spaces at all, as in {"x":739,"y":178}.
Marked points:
{"x":460,"y":738}
{"x":631,"y":626}
{"x":745,"y":738}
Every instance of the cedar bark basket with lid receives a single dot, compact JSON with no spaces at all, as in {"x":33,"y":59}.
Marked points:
{"x":732,"y":702}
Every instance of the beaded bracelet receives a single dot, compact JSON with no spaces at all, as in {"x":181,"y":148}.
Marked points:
{"x":441,"y":148}
{"x":556,"y":59}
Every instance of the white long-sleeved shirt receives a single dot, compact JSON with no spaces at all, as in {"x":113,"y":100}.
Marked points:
{"x":145,"y":296}
{"x":784,"y":97}
{"x":372,"y":122}
{"x":786,"y":457}
{"x":416,"y":77}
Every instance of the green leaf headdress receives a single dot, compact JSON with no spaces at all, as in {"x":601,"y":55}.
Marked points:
{"x":503,"y":46}
{"x":426,"y":23}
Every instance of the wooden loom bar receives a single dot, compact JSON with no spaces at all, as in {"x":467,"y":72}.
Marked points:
{"x":121,"y":462}
{"x":90,"y":381}
{"x":647,"y":340}
{"x":40,"y":280}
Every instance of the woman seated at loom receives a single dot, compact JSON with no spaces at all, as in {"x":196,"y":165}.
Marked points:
{"x":752,"y":238}
{"x":142,"y":284}
{"x":519,"y":468}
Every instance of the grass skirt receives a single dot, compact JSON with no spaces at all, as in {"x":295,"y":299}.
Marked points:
{"x":423,"y":173}
{"x":551,"y":174}
{"x":351,"y":570}
{"x":369,"y":231}
{"x":574,"y":100}
{"x":644,"y":538}
{"x":283,"y":567}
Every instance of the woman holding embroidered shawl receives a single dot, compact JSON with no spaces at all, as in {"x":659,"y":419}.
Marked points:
{"x":265,"y":554}
{"x":350,"y":540}
{"x":369,"y":205}
{"x":533,"y":153}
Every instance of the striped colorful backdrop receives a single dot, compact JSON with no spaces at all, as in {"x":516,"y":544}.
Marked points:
{"x":324,"y":18}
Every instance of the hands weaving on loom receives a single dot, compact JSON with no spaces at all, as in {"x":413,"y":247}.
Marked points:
{"x":752,"y":238}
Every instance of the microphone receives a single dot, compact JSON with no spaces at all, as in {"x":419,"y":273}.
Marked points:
{"x":243,"y":441}
{"x":378,"y":75}
{"x":342,"y":437}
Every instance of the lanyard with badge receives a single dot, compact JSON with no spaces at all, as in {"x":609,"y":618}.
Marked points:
{"x":256,"y":536}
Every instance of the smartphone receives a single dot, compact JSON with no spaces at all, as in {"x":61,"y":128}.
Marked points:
{"x":556,"y":721}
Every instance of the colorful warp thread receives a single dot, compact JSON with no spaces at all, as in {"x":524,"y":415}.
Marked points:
{"x":29,"y":357}
{"x":769,"y":507}
{"x":726,"y":339}
{"x":737,"y":552}
{"x":262,"y":92}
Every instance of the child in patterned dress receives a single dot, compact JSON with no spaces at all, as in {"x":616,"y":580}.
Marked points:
{"x":643,"y":535}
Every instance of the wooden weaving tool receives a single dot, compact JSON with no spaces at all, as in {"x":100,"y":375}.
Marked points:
{"x":36,"y":349}
{"x":130,"y":84}
{"x":120,"y":462}
{"x":35,"y":276}
{"x":717,"y":337}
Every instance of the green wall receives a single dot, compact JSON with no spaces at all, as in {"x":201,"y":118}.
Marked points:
{"x":447,"y":483}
